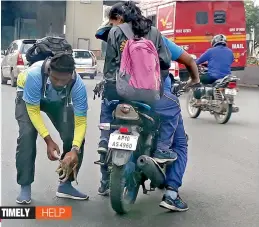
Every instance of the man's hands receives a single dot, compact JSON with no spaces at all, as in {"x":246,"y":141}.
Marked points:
{"x":98,"y":90}
{"x":52,"y":149}
{"x":71,"y":158}
{"x":68,"y":165}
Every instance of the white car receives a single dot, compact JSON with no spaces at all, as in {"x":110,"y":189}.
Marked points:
{"x":85,"y":63}
{"x":2,"y":56}
{"x":14,"y":60}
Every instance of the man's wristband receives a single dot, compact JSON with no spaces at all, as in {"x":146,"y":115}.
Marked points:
{"x":76,"y":148}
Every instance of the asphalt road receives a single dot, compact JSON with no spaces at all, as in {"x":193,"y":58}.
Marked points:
{"x":220,"y":184}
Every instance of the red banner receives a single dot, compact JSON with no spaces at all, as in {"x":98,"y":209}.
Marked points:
{"x":166,"y":18}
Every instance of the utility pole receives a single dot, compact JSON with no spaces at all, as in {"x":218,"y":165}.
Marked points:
{"x":253,"y":42}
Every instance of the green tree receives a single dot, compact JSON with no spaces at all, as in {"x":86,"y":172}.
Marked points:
{"x":252,"y":19}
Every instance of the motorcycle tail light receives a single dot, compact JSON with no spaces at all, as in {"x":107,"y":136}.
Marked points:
{"x":124,"y":130}
{"x":232,"y":85}
{"x":176,"y":73}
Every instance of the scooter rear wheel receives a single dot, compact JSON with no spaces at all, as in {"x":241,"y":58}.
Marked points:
{"x":118,"y":192}
{"x":224,"y":118}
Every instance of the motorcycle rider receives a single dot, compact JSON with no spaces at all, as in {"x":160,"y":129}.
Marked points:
{"x":175,"y":171}
{"x":168,"y":107}
{"x":219,"y":58}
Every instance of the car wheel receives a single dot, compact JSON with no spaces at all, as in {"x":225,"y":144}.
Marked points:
{"x":93,"y":75}
{"x":3,"y":79}
{"x":13,"y":80}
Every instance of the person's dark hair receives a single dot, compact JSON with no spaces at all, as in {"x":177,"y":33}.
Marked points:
{"x":131,"y":13}
{"x":62,"y":63}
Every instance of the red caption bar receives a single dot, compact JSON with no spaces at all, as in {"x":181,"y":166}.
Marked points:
{"x":53,"y":213}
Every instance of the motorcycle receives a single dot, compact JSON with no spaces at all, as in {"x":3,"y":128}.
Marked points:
{"x":217,"y":98}
{"x":129,"y":158}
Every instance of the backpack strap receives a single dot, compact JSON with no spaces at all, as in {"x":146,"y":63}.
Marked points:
{"x":69,"y":88}
{"x":68,"y":96}
{"x":71,"y":84}
{"x":44,"y":75}
{"x":127,"y":30}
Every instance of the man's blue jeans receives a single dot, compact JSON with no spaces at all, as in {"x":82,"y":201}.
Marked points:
{"x":172,"y":136}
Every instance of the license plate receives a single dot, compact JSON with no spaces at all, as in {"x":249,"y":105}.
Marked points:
{"x":230,"y":91}
{"x":123,"y":142}
{"x":90,"y":71}
{"x":80,"y":70}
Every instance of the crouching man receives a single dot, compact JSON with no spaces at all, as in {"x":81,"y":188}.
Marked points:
{"x":50,"y":86}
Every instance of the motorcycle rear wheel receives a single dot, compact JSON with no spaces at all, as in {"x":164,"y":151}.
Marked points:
{"x":118,"y":191}
{"x":193,"y":112}
{"x":226,"y":117}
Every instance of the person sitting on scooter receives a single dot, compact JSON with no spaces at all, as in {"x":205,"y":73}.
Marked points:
{"x":219,"y":59}
{"x":168,"y":107}
{"x":175,"y":171}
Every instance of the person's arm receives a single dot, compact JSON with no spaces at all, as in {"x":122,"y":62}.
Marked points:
{"x":112,"y":57}
{"x":174,"y":49}
{"x":191,"y":66}
{"x":36,"y":119}
{"x":182,"y":57}
{"x":203,"y":58}
{"x":32,"y":96}
{"x":79,"y":99}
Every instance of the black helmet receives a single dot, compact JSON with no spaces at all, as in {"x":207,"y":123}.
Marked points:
{"x":218,"y":39}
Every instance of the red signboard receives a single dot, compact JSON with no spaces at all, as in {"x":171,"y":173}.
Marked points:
{"x":166,"y":18}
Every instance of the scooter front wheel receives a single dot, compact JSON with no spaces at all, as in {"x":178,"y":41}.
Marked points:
{"x":193,"y":112}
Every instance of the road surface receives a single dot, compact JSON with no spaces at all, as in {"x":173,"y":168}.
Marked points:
{"x":220,"y":184}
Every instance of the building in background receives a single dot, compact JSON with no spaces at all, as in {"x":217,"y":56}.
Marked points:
{"x":77,"y":21}
{"x":82,"y":19}
{"x":106,"y":10}
{"x":31,"y":19}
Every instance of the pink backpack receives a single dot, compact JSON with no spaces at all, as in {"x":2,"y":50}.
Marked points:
{"x":139,"y":75}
